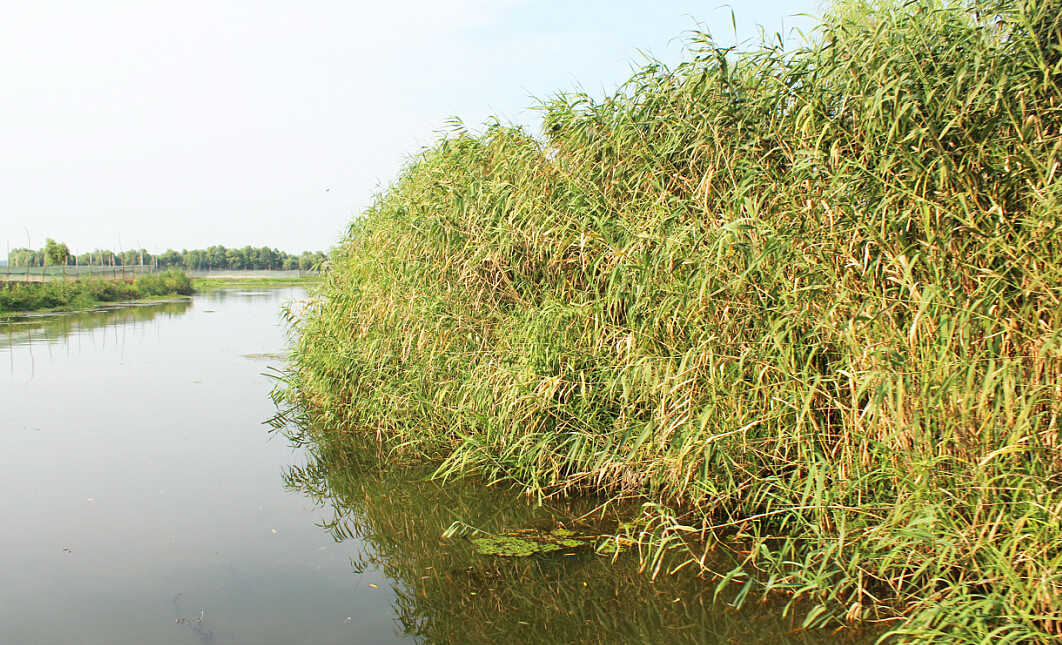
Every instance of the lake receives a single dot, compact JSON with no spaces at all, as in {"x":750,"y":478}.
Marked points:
{"x":146,"y":500}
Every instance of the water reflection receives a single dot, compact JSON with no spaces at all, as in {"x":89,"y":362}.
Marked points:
{"x":446,"y":593}
{"x":139,"y":488}
{"x":20,"y":330}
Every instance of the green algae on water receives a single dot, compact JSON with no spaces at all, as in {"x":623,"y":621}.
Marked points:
{"x":527,"y":542}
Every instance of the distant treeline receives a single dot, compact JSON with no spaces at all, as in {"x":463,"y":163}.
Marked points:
{"x":214,"y":257}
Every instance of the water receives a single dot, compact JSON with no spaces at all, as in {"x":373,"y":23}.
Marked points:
{"x":144,"y":501}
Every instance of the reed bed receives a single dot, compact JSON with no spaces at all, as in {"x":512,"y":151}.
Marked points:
{"x":806,"y":301}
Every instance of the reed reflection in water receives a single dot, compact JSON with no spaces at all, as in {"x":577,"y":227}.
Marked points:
{"x":106,"y":325}
{"x":447,"y":593}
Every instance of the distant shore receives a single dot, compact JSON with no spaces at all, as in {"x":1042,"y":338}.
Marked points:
{"x":88,"y":293}
{"x":56,"y":294}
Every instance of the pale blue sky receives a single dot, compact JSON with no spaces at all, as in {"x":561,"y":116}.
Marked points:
{"x":186,"y":124}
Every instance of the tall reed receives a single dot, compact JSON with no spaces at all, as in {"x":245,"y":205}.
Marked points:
{"x":809,"y":298}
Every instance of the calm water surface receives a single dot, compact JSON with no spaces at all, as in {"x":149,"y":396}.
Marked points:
{"x":144,"y":501}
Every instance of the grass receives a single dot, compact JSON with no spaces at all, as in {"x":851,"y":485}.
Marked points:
{"x":808,"y":302}
{"x":206,"y":284}
{"x":71,"y":295}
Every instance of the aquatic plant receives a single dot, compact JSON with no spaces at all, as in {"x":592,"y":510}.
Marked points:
{"x":807,"y":303}
{"x":520,"y":543}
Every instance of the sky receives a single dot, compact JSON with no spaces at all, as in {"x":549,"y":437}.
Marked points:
{"x":150,"y":124}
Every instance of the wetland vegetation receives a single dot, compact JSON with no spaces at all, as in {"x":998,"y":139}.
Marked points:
{"x":804,"y":301}
{"x":89,"y":292}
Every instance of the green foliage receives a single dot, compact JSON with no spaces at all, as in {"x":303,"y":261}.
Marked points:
{"x":173,"y":281}
{"x":55,"y":253}
{"x":23,"y":257}
{"x":810,"y":294}
{"x":88,"y":292}
{"x":246,"y":258}
{"x":215,"y":257}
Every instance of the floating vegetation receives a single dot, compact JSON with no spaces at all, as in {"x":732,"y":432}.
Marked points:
{"x":509,"y":546}
{"x":265,"y":356}
{"x":527,"y":542}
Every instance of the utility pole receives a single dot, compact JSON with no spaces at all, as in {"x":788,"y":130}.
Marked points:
{"x":29,"y":247}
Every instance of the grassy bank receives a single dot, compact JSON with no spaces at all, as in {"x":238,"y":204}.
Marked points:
{"x":85,"y":294}
{"x":206,"y":284}
{"x":808,"y":299}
